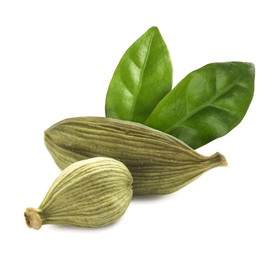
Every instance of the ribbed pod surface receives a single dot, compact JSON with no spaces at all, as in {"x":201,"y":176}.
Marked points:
{"x":158,"y":162}
{"x":89,"y":193}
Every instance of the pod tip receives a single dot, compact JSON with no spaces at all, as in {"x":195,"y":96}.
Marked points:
{"x":32,"y":218}
{"x":224,"y":162}
{"x":220,"y":159}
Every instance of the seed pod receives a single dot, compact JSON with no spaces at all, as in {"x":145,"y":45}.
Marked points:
{"x":89,"y":193}
{"x":158,"y":162}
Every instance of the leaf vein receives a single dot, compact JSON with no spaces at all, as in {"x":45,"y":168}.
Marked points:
{"x":208,"y":103}
{"x":141,"y":76}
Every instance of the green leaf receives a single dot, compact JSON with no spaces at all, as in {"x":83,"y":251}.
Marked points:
{"x":206,"y":104}
{"x":142,"y":78}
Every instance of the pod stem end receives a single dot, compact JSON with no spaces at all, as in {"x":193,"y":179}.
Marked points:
{"x":33,"y":218}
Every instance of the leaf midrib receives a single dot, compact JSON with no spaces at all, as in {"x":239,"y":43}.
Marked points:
{"x":209,"y":102}
{"x":140,"y":80}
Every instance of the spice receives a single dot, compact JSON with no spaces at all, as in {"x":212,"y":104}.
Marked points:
{"x":158,"y":162}
{"x":89,"y":193}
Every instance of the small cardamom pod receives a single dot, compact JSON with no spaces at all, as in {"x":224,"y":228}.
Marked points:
{"x":158,"y":162}
{"x":89,"y":193}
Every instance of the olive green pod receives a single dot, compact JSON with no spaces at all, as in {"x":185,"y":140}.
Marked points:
{"x":89,"y":193}
{"x":158,"y":162}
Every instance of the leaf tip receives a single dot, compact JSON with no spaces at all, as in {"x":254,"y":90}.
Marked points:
{"x":154,"y":29}
{"x":251,"y":67}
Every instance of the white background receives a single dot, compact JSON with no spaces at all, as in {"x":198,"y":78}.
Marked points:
{"x":56,"y":61}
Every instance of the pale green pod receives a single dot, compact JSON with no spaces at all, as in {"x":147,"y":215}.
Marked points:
{"x":158,"y":162}
{"x":89,"y":193}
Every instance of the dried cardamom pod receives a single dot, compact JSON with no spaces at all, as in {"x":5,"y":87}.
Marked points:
{"x":158,"y":162}
{"x":89,"y":193}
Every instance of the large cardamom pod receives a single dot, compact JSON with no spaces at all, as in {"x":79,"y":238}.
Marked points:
{"x":89,"y":193}
{"x":158,"y":162}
